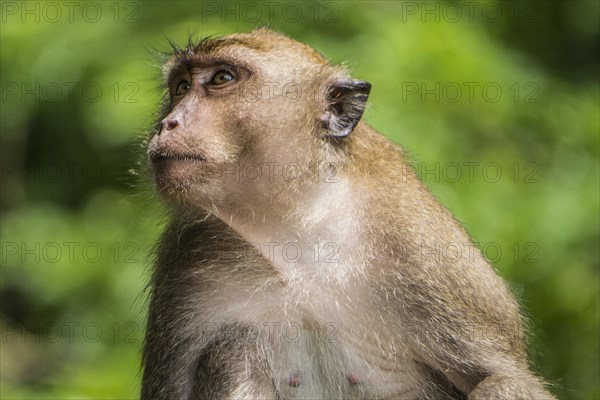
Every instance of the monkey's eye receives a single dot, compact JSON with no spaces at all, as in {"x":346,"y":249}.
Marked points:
{"x":182,"y":88}
{"x":222,"y":77}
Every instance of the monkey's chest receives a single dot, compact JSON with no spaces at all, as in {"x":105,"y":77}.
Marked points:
{"x":303,"y":359}
{"x":300,"y":338}
{"x":299,"y":353}
{"x":329,"y":365}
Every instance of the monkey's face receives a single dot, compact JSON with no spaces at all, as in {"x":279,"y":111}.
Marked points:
{"x":196,"y":140}
{"x":247,"y":117}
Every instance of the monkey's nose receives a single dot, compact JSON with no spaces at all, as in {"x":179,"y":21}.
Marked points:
{"x":167,"y":125}
{"x":170,"y":124}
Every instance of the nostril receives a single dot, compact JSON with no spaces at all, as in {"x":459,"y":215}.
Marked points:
{"x":170,"y":124}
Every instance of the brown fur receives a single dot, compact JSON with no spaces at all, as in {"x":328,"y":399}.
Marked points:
{"x":391,"y":318}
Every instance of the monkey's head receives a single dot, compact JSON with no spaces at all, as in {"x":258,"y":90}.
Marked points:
{"x":250,"y":118}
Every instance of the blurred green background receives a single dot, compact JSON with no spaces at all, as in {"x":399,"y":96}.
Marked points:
{"x":498,"y":102}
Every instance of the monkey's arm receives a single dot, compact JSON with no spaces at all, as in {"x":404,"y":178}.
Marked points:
{"x":519,"y":386}
{"x":186,"y":360}
{"x":469,"y":329}
{"x":492,"y":376}
{"x":225,"y":365}
{"x":189,"y":351}
{"x":464,"y":322}
{"x":232,"y":368}
{"x":170,"y":352}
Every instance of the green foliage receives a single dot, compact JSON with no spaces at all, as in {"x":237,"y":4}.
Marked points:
{"x":519,"y":168}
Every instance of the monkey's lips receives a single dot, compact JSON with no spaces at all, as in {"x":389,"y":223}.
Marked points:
{"x":175,"y":171}
{"x":158,"y":157}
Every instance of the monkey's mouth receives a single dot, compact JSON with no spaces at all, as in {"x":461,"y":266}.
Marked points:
{"x":161,"y":156}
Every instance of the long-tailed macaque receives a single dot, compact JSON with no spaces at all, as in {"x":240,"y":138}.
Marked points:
{"x":304,"y":258}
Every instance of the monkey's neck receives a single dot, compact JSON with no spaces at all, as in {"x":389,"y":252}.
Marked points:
{"x":319,"y":235}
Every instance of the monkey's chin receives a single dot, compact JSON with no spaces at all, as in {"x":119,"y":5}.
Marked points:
{"x":183,"y":180}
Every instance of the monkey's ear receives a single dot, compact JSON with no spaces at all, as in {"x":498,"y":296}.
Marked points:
{"x":347,"y":101}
